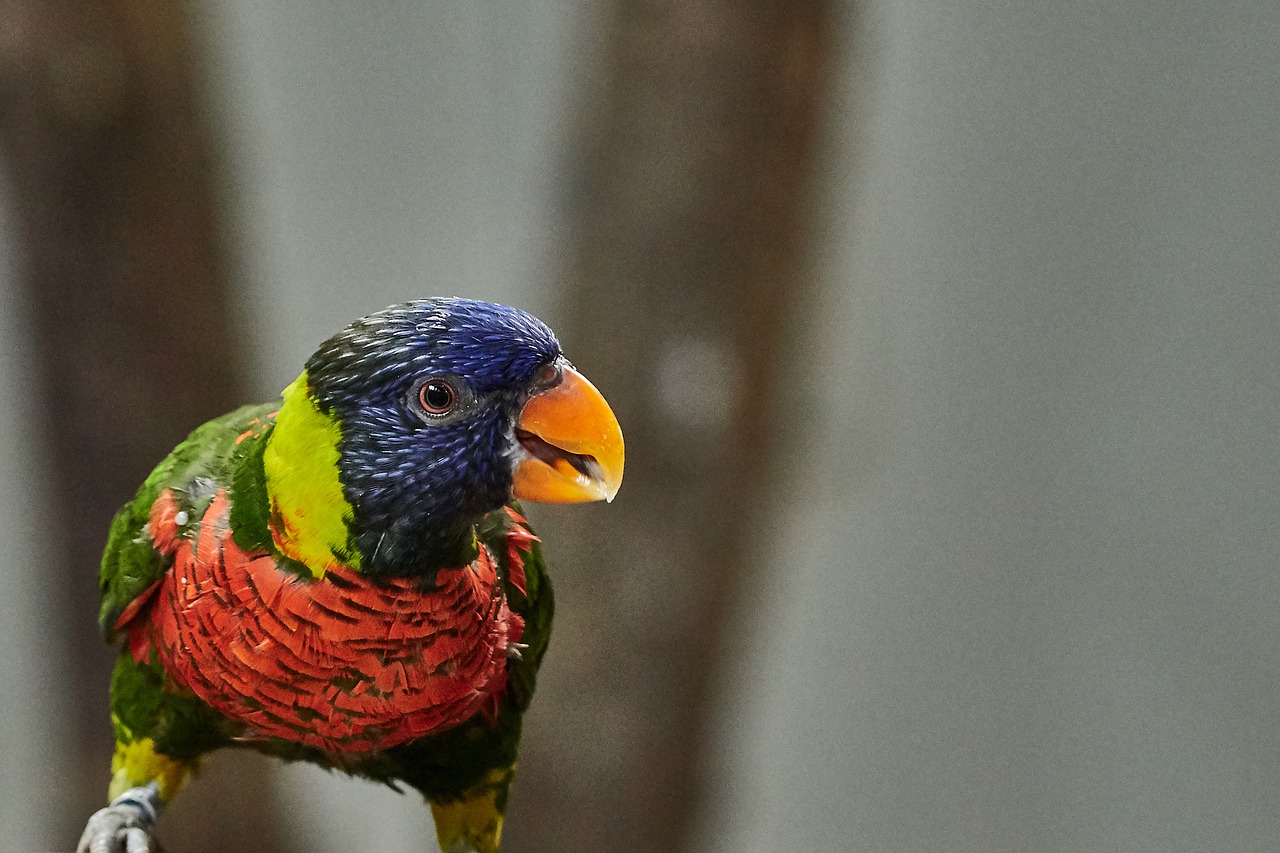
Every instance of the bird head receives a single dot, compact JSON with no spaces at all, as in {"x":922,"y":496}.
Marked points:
{"x":412,"y":423}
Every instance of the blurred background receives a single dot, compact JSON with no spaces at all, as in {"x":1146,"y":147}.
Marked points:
{"x":946,"y":339}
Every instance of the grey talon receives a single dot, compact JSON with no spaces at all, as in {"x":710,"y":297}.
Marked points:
{"x":125,"y":825}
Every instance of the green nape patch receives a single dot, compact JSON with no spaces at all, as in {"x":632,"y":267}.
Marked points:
{"x":250,"y":515}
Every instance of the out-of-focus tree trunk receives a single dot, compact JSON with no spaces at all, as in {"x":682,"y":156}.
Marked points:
{"x":691,"y":238}
{"x":109,"y":160}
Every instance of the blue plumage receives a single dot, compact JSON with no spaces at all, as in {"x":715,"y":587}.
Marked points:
{"x":417,"y":482}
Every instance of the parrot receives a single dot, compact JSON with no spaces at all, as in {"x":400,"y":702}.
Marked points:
{"x":346,"y":576}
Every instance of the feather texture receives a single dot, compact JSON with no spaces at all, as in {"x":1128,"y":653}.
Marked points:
{"x":346,"y":664}
{"x":337,"y":578}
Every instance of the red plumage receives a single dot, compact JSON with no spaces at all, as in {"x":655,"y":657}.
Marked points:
{"x":343,"y":663}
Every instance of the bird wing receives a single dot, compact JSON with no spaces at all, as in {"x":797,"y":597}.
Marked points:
{"x":132,"y":564}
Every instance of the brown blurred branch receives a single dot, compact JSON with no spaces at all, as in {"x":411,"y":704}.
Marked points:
{"x":109,"y":159}
{"x":691,"y":244}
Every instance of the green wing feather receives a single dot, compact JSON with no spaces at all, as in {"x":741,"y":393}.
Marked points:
{"x":536,"y":605}
{"x":210,"y":458}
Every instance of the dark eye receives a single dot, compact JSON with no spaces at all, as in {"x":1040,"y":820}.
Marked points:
{"x":437,"y":397}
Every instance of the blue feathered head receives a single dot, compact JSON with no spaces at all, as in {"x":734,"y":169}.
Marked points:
{"x":447,"y":406}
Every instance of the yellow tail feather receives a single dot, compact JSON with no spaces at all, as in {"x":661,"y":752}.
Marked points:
{"x":473,"y":822}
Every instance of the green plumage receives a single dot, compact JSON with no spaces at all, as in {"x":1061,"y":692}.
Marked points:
{"x":209,"y":457}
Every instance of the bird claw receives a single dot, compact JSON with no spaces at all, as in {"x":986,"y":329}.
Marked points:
{"x":125,"y":825}
{"x":515,"y":651}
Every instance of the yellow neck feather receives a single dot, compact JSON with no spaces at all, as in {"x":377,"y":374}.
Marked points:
{"x":309,"y":513}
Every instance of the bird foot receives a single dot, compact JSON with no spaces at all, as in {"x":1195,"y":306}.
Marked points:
{"x":515,"y":651}
{"x":124,"y":826}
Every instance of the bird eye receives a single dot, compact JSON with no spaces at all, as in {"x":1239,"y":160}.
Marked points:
{"x":548,"y":376}
{"x":437,"y":397}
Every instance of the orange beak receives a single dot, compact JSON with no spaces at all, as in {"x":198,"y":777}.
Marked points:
{"x":572,"y":445}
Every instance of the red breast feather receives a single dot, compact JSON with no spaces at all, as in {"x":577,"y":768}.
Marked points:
{"x":342,"y":663}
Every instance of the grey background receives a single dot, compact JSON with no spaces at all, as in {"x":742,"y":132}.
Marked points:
{"x":1019,"y":588}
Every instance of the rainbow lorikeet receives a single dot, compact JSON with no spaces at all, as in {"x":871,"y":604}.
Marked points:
{"x":343,"y":576}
